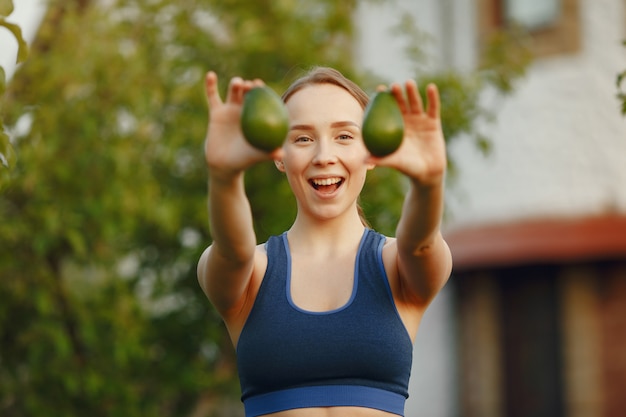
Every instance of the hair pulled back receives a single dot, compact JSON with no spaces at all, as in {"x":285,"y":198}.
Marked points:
{"x":326,"y":75}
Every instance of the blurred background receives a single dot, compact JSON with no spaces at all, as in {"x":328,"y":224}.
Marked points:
{"x":103,"y":196}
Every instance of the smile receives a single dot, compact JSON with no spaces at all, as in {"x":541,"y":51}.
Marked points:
{"x":326,"y":184}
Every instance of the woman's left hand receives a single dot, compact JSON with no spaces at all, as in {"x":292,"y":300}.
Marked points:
{"x":422,"y":154}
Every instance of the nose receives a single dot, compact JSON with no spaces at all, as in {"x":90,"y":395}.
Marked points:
{"x":324,"y":153}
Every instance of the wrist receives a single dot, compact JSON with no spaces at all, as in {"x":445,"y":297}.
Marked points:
{"x":433,"y":183}
{"x":225,"y":177}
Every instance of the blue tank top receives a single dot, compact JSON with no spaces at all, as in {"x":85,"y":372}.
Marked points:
{"x":357,"y":355}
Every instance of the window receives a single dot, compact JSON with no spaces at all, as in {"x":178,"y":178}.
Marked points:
{"x":532,"y":14}
{"x":553,"y":25}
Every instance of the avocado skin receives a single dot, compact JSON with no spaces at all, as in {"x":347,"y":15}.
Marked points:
{"x":264,"y":119}
{"x":383,"y":125}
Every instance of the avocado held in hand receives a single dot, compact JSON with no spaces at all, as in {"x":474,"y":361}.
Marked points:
{"x":383,"y":125}
{"x":264,"y":119}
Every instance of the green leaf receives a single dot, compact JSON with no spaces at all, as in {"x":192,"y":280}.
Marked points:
{"x":7,"y":158}
{"x":483,"y":144}
{"x":6,"y":7}
{"x":7,"y":154}
{"x":3,"y":81}
{"x":22,"y":51}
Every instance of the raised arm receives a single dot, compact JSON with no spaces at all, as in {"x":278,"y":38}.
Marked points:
{"x":225,"y":268}
{"x":423,"y":257}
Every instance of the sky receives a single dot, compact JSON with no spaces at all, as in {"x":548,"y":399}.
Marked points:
{"x":28,"y":15}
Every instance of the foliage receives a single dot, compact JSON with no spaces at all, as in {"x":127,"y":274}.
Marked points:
{"x":7,"y":154}
{"x":103,"y":217}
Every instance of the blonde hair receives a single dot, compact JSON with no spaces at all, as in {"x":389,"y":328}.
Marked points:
{"x":326,"y":75}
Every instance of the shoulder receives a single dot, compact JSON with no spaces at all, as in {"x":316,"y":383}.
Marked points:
{"x":402,"y":280}
{"x":236,"y":317}
{"x":229,"y":290}
{"x":390,"y":256}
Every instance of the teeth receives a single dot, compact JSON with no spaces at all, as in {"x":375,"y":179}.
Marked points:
{"x":326,"y":181}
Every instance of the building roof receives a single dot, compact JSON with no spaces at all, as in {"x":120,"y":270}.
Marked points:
{"x":565,"y":240}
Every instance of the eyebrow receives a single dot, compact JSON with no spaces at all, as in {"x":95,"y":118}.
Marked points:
{"x":334,"y":124}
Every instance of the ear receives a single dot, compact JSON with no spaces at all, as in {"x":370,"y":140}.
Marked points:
{"x":280,"y":165}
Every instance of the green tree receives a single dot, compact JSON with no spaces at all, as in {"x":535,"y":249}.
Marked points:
{"x":104,"y":215}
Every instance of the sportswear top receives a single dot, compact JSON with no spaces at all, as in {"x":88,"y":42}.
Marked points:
{"x":357,"y":355}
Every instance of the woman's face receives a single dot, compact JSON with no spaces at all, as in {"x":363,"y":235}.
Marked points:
{"x":324,"y":155}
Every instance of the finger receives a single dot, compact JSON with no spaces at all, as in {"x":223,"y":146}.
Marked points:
{"x":414,"y":98}
{"x":245,"y":87}
{"x":257,"y":82}
{"x":212,"y":93}
{"x":434,"y":103}
{"x":235,"y":90}
{"x":250,"y":84}
{"x":396,"y":90}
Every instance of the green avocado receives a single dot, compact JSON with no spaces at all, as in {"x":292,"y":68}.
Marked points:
{"x":264,"y":119}
{"x":383,"y":125}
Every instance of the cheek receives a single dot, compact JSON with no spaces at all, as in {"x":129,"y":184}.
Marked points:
{"x":355,"y":156}
{"x":359,"y":150}
{"x":358,"y":168}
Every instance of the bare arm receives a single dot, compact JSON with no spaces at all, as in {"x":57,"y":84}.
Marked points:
{"x":423,"y":257}
{"x":225,"y":268}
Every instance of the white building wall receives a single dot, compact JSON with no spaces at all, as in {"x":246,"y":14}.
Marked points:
{"x":446,"y":24}
{"x":560,"y":141}
{"x":433,"y":389}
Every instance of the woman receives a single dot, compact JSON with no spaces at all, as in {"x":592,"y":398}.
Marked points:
{"x":323,"y":317}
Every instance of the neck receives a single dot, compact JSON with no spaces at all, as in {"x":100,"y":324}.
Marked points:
{"x":325,"y":235}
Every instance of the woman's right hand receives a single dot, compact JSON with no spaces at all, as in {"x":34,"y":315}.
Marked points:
{"x":226,"y":150}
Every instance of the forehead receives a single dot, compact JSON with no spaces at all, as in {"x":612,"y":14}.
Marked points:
{"x":323,"y":102}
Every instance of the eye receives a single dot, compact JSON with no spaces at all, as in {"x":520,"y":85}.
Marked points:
{"x":302,"y":139}
{"x":345,"y":136}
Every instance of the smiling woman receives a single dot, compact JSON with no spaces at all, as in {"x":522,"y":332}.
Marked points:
{"x":323,"y":316}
